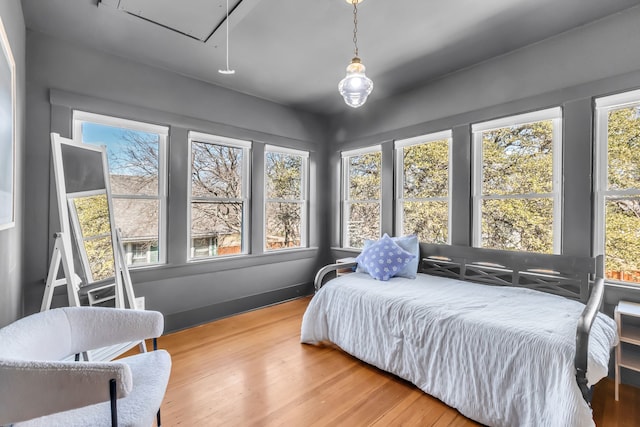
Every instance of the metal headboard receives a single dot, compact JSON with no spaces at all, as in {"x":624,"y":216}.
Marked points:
{"x":567,"y":276}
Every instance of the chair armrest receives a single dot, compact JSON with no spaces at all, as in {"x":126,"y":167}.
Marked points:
{"x":30,"y":389}
{"x":585,"y":322}
{"x":94,"y":327}
{"x":317,"y":283}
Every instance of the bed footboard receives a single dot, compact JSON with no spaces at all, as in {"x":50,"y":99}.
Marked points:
{"x":320,"y":275}
{"x":582,"y":336}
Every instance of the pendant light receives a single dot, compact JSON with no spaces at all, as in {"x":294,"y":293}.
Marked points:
{"x":227,"y":70}
{"x":356,"y":86}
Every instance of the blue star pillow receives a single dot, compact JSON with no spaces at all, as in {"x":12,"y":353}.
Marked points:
{"x":384,"y":259}
{"x":409,"y":244}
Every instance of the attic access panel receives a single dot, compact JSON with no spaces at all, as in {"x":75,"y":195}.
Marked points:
{"x":197,"y":19}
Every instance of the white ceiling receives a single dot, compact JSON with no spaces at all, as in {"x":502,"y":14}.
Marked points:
{"x":294,"y":52}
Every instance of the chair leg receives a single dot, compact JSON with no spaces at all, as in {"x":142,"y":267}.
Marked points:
{"x":155,"y":347}
{"x":113,"y":397}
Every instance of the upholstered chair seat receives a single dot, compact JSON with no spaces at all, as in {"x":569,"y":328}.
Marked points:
{"x":39,"y":386}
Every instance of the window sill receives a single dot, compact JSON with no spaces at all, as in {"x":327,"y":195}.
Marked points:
{"x":349,"y":250}
{"x":622,"y":285}
{"x":209,"y":265}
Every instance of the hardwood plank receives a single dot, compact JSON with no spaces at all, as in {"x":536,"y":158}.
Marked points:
{"x":609,"y":413}
{"x":251,"y":369}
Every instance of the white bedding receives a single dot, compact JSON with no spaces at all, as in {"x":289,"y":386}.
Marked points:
{"x":501,"y":356}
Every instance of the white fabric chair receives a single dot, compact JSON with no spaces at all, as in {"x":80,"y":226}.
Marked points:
{"x":38,"y":388}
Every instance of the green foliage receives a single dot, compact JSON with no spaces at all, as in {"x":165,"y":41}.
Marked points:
{"x":516,"y":161}
{"x":364,"y":176}
{"x":428,"y":220}
{"x":624,"y":149}
{"x":283,"y":224}
{"x":426,"y":170}
{"x":426,"y":175}
{"x":622,"y":235}
{"x":364,"y":194}
{"x":364,"y":223}
{"x":622,"y":227}
{"x":283,"y":175}
{"x":95,"y":227}
{"x":518,"y":224}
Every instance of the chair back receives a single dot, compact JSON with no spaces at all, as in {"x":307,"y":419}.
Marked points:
{"x":42,"y":336}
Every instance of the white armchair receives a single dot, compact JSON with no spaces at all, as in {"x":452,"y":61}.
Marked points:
{"x":38,"y":388}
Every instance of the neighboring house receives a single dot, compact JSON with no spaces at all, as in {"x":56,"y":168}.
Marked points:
{"x":138,"y":224}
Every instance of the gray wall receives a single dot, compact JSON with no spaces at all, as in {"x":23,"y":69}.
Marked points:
{"x":568,"y":70}
{"x":11,"y":254}
{"x":62,"y":76}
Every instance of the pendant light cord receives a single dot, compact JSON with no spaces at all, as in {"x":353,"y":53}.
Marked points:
{"x":355,"y":26}
{"x":227,"y":71}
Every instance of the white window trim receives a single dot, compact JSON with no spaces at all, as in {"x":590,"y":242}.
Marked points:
{"x":601,"y":153}
{"x":359,"y":151}
{"x":346,"y":202}
{"x":80,"y":117}
{"x":199,"y":137}
{"x":399,"y":177}
{"x":83,"y":116}
{"x":303,"y":201}
{"x":554,"y":114}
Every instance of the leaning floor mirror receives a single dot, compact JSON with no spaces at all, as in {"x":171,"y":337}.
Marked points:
{"x":87,"y":247}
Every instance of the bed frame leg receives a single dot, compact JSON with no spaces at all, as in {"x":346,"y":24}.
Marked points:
{"x":587,"y":392}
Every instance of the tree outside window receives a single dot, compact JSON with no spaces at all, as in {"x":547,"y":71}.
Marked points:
{"x":362,"y":196}
{"x":135,"y":153}
{"x":517,"y":190}
{"x":285,"y":198}
{"x":219,"y":189}
{"x":422,"y":177}
{"x":618,"y":185}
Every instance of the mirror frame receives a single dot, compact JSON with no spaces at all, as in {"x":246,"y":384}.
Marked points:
{"x":64,"y":198}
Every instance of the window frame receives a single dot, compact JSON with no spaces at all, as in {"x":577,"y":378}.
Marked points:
{"x":345,"y":180}
{"x":399,"y":175}
{"x":602,"y":107}
{"x":79,"y":117}
{"x":554,"y":114}
{"x":246,"y":146}
{"x":303,"y":201}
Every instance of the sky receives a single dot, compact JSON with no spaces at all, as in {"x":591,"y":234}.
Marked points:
{"x":112,"y":138}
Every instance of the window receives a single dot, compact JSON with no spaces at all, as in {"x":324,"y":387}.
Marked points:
{"x":285,"y":208}
{"x":136,"y":154}
{"x":219,"y":193}
{"x":361,"y":204}
{"x":203,"y":247}
{"x":617,"y":185}
{"x":422,"y":187}
{"x":517,"y":172}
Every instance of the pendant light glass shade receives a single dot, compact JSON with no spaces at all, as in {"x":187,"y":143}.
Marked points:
{"x":356,"y":86}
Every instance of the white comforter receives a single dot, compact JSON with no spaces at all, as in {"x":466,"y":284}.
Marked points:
{"x":501,"y":356}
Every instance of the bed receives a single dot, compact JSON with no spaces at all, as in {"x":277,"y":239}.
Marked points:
{"x":506,"y":338}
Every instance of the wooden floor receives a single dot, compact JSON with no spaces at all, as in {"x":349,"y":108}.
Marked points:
{"x":251,"y":370}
